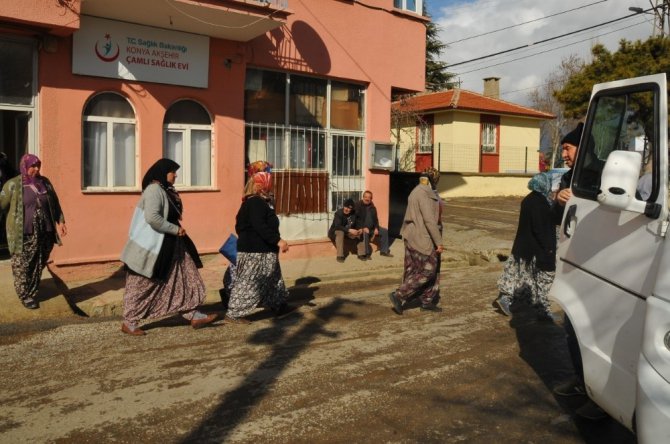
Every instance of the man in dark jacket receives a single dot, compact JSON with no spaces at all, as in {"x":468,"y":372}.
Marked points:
{"x":367,"y":221}
{"x":342,"y":229}
{"x":573,"y":387}
{"x":569,"y":145}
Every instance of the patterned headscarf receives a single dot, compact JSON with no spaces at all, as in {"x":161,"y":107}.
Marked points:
{"x":27,"y":161}
{"x":433,"y":176}
{"x":261,"y":174}
{"x":542,"y":184}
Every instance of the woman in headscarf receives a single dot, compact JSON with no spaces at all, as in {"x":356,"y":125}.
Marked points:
{"x":35,"y":222}
{"x":258,"y":279}
{"x":422,"y":234}
{"x":529,"y":271}
{"x":161,"y":260}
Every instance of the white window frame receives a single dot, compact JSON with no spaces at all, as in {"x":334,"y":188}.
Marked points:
{"x":402,"y":4}
{"x":110,"y":121}
{"x":425,"y":138}
{"x":489,"y":138}
{"x":184,"y":173}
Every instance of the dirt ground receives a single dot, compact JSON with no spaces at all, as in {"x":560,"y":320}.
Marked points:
{"x":345,"y":368}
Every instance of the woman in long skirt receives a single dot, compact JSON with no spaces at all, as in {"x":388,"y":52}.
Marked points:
{"x":530,"y":269}
{"x":162,"y":277}
{"x":258,"y":278}
{"x":35,"y":222}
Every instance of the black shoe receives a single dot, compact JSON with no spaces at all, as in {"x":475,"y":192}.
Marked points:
{"x":362,"y":257}
{"x":431,"y":307}
{"x":573,"y":387}
{"x":387,"y":254}
{"x":591,"y":411}
{"x":397,"y":305}
{"x":340,"y":259}
{"x":30,"y":303}
{"x":284,"y":311}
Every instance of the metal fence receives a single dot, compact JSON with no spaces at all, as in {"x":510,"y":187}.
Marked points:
{"x":315,"y":169}
{"x":468,"y":158}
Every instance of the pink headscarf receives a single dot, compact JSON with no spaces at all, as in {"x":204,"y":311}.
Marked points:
{"x":28,"y":160}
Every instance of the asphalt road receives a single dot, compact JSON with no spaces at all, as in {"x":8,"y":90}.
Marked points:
{"x":345,"y":368}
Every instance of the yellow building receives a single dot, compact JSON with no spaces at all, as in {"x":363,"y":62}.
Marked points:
{"x":465,"y":132}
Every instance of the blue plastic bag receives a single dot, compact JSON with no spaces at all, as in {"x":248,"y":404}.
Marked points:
{"x":229,"y":249}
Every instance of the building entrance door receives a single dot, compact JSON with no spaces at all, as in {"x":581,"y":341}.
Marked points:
{"x":18,"y":79}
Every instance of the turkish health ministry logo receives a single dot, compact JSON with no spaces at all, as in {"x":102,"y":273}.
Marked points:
{"x":108,"y":51}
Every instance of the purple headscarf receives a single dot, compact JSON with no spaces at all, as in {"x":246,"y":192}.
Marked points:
{"x":26,"y":162}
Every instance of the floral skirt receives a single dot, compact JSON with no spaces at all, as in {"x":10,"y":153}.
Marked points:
{"x":522,"y":280}
{"x":182,"y":291}
{"x":258,"y":282}
{"x":28,"y":265}
{"x":421,"y":278}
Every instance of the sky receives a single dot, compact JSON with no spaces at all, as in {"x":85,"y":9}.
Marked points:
{"x":461,"y":19}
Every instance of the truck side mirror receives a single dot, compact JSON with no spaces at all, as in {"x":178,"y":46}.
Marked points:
{"x":619,"y":182}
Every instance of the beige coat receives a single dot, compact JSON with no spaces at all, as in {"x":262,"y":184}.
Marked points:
{"x":420,"y":228}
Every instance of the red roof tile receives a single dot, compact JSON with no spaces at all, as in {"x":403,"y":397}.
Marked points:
{"x":467,"y":100}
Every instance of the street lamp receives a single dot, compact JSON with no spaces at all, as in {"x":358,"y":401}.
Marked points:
{"x":659,"y":11}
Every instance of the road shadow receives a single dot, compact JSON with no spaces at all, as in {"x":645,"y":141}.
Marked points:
{"x":84,"y":292}
{"x":544,"y":348}
{"x":236,"y":404}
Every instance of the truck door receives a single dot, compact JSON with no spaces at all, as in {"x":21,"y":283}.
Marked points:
{"x":608,"y":256}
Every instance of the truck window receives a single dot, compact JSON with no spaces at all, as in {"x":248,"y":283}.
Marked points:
{"x":619,"y":122}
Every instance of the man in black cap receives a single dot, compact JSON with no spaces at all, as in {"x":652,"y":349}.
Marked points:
{"x":569,"y":145}
{"x":575,"y":386}
{"x":342,"y":228}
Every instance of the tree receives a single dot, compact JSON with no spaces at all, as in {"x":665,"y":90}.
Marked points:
{"x":437,"y":77}
{"x":543,"y":98}
{"x":632,"y":59}
{"x":405,"y":120}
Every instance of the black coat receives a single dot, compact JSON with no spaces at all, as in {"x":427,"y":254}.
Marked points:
{"x":341,"y":223}
{"x":536,"y":233}
{"x":366,"y":216}
{"x":257,"y":227}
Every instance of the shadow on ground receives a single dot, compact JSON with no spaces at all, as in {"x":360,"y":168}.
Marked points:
{"x":543,"y":346}
{"x":235,"y":405}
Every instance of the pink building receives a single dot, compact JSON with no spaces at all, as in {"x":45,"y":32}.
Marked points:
{"x":99,"y":90}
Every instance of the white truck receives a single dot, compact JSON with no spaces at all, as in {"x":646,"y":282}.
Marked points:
{"x":613,"y":258}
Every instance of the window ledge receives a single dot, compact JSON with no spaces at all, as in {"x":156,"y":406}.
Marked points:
{"x":139,"y":190}
{"x":119,"y":190}
{"x":411,"y":15}
{"x":184,"y":189}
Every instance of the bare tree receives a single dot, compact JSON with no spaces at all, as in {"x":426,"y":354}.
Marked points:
{"x":543,"y":98}
{"x":406,"y":124}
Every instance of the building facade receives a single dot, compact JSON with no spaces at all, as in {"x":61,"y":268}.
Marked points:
{"x":466,"y":132}
{"x":100,"y":90}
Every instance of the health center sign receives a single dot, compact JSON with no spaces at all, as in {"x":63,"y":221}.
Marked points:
{"x":119,"y":50}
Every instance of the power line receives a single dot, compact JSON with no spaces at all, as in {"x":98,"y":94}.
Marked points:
{"x":545,"y":40}
{"x":524,"y":23}
{"x":550,"y":50}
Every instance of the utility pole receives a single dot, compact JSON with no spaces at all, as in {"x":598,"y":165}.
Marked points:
{"x":661,"y":12}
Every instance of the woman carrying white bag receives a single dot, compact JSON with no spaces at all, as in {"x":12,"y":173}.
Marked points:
{"x":161,"y":260}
